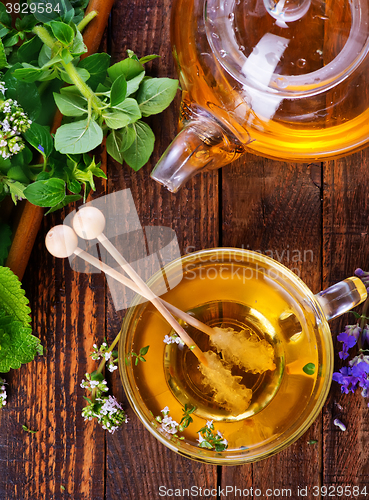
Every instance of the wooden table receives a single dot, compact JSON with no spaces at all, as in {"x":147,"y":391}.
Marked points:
{"x":319,"y":209}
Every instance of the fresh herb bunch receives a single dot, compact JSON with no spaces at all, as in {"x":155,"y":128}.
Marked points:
{"x":356,"y":372}
{"x":102,"y":406}
{"x":38,"y":57}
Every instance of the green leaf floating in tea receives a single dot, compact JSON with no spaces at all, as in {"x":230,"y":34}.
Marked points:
{"x":247,"y":352}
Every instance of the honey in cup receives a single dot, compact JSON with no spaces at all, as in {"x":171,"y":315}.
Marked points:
{"x":270,"y":319}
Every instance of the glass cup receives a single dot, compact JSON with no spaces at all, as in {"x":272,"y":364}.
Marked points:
{"x":270,"y":308}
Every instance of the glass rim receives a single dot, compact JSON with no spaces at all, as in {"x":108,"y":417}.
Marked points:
{"x":233,"y":457}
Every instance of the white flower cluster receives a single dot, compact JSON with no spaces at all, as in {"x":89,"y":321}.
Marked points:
{"x":108,"y":412}
{"x":167,"y":424}
{"x":2,"y":393}
{"x":90,"y":385}
{"x":13,"y":122}
{"x":103,"y":352}
{"x":173,"y":339}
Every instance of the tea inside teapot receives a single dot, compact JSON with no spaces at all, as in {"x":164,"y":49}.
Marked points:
{"x":284,"y":79}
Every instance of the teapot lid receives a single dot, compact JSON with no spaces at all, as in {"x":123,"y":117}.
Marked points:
{"x":292,"y":48}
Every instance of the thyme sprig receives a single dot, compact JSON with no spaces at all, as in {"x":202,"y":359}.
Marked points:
{"x":102,"y":406}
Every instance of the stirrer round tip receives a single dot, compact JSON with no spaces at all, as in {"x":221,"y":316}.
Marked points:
{"x":89,"y":222}
{"x":61,"y":241}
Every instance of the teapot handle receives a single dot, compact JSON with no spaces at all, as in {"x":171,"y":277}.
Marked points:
{"x":342,"y":297}
{"x":201,"y":145}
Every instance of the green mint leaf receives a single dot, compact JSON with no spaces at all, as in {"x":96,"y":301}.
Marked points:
{"x":118,"y":91}
{"x":357,"y":315}
{"x":59,"y":9}
{"x":40,"y":138}
{"x":46,"y":193}
{"x":131,"y":109}
{"x":11,"y":40}
{"x":19,"y":173}
{"x":119,"y":141}
{"x":62,"y":32}
{"x":113,"y":143}
{"x":71,"y":105}
{"x":74,"y":186}
{"x":134,"y":83}
{"x":78,"y":47}
{"x":116,"y":119}
{"x":128,"y":135}
{"x":44,"y":56}
{"x":97,"y":66}
{"x":29,"y":50}
{"x":83,"y":74}
{"x":3,"y":61}
{"x":25,"y":23}
{"x":31,"y":73}
{"x":25,"y":93}
{"x":78,"y":137}
{"x":18,"y":345}
{"x":12,"y":297}
{"x":69,"y":198}
{"x":16,"y":190}
{"x":130,"y":68}
{"x":145,"y":59}
{"x":5,"y":17}
{"x":155,"y":94}
{"x":66,"y":56}
{"x":5,"y":164}
{"x":5,"y":241}
{"x":142,"y":147}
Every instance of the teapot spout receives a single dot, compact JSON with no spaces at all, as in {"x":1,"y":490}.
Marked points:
{"x":201,"y":145}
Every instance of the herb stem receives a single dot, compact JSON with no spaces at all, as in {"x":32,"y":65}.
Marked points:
{"x":82,"y":86}
{"x":87,"y":19}
{"x":103,"y":361}
{"x":70,"y":69}
{"x":44,"y":36}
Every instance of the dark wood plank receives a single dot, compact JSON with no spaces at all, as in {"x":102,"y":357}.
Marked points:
{"x":275,"y":208}
{"x":45,"y":394}
{"x":136,"y":463}
{"x":345,"y":247}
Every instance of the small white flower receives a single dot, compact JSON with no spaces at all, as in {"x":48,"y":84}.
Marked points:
{"x":224,"y":441}
{"x":112,"y":367}
{"x":209,"y":424}
{"x":165,"y":410}
{"x":201,"y":439}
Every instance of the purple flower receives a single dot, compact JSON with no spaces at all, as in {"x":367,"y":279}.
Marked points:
{"x":348,"y":338}
{"x":365,"y":335}
{"x":345,"y":378}
{"x":364,"y":276}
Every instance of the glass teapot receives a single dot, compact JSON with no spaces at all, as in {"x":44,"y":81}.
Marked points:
{"x":285,"y":79}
